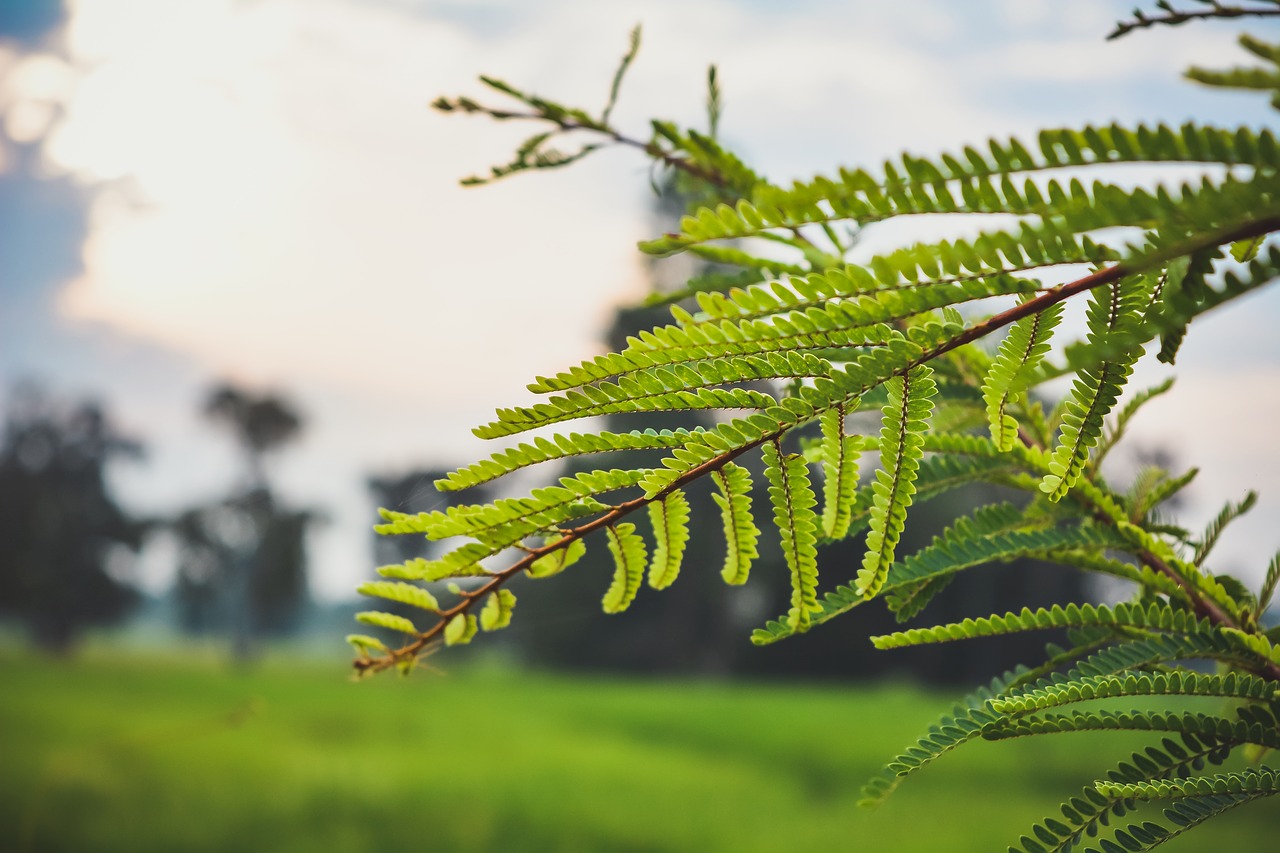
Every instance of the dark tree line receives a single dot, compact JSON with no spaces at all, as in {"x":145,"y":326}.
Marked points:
{"x":67,"y":547}
{"x":242,"y":569}
{"x":65,"y":544}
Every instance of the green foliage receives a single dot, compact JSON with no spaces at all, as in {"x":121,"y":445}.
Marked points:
{"x":906,"y":416}
{"x":390,"y":621}
{"x":1014,"y":370}
{"x":405,"y":593}
{"x":628,"y":552}
{"x":740,"y":531}
{"x":1112,"y":311}
{"x":497,"y":610}
{"x":557,"y":561}
{"x":796,"y":338}
{"x":840,"y":454}
{"x":793,"y":503}
{"x":1154,"y":617}
{"x":460,"y":629}
{"x":670,"y":520}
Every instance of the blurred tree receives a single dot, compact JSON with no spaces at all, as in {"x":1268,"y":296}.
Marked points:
{"x":64,"y":542}
{"x":242,"y":566}
{"x":260,"y":424}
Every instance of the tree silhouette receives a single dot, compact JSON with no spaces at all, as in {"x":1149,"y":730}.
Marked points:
{"x":260,"y":424}
{"x":63,"y":538}
{"x":243,"y":560}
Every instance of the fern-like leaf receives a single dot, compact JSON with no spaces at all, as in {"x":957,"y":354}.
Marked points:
{"x":793,"y":502}
{"x":964,"y":723}
{"x":364,"y":644}
{"x":1175,"y":683}
{"x":405,"y":593}
{"x":1259,"y":727}
{"x":573,"y":497}
{"x":1184,"y":815}
{"x":1229,"y":513}
{"x":907,"y":601}
{"x":906,"y":417}
{"x":944,"y":558}
{"x":1013,"y":369}
{"x":557,"y":561}
{"x":1269,"y":583}
{"x":628,"y":551}
{"x":740,"y":531}
{"x":390,"y":621}
{"x":981,"y":182}
{"x":1112,"y":313}
{"x":840,"y":454}
{"x":555,"y":447}
{"x":1154,"y":617}
{"x":1086,"y":812}
{"x":1259,"y":780}
{"x":670,"y":520}
{"x":668,"y":391}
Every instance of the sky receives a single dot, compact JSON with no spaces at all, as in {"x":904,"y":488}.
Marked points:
{"x":257,"y":190}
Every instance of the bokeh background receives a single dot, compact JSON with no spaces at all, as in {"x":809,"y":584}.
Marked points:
{"x":244,"y":301}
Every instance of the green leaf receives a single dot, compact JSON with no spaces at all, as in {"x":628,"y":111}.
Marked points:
{"x":1113,"y":311}
{"x":1259,"y":780}
{"x":1270,"y":583}
{"x":1246,"y":250}
{"x":390,"y":621}
{"x":405,"y":593}
{"x":364,"y":643}
{"x":906,"y":417}
{"x":840,"y":454}
{"x":629,"y":560}
{"x":1156,"y":617}
{"x":1014,"y":369}
{"x":460,"y":629}
{"x":557,"y":561}
{"x":740,"y":531}
{"x":1089,"y":810}
{"x":670,"y":520}
{"x":497,"y":610}
{"x":793,"y":502}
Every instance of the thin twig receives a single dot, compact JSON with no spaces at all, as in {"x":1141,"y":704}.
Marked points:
{"x":1173,"y":17}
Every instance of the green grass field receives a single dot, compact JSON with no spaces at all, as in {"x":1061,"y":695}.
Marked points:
{"x":137,"y":754}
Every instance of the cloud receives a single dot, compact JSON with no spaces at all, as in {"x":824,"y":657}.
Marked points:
{"x":277,"y":203}
{"x":292,"y":209}
{"x":289,"y":210}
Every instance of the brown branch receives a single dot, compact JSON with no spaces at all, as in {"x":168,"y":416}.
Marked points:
{"x":610,"y":518}
{"x":1206,"y":608}
{"x":1050,"y":297}
{"x":1173,"y":17}
{"x":652,"y":149}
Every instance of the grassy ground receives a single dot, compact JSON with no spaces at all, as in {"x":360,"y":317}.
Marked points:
{"x":142,"y":754}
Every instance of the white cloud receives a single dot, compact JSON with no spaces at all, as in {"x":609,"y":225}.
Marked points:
{"x":285,"y":207}
{"x":294,"y":213}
